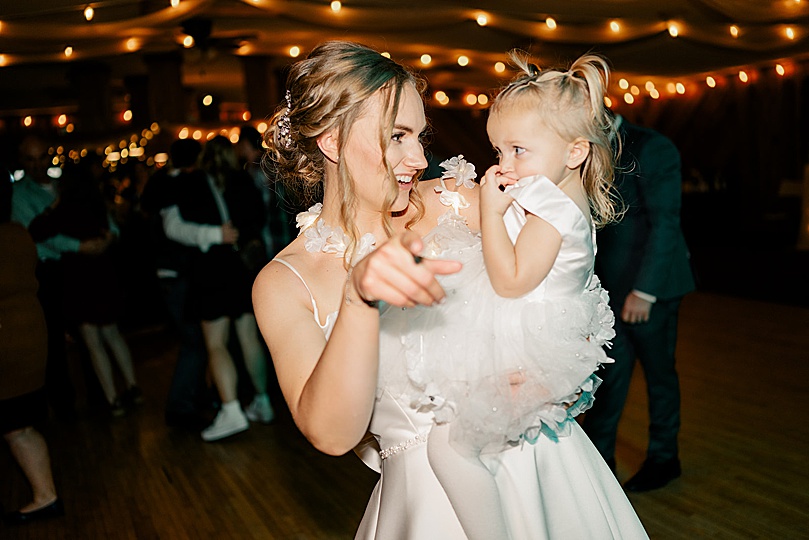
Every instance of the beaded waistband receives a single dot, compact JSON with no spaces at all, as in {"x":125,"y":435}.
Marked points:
{"x":409,"y":443}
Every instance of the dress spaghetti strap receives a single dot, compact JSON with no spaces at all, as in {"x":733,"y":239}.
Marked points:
{"x":311,"y":296}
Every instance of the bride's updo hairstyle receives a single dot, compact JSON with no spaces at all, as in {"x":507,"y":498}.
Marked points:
{"x":330,"y":89}
{"x":571,"y":102}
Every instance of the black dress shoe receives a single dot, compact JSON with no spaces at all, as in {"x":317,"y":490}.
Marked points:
{"x":654,"y":475}
{"x":55,"y":509}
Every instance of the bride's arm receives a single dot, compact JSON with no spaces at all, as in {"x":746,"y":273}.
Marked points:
{"x":330,"y":386}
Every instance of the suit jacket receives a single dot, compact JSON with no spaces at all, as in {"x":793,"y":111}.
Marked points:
{"x":646,"y":250}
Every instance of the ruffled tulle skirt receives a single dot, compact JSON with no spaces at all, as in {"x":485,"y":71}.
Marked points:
{"x":500,"y":370}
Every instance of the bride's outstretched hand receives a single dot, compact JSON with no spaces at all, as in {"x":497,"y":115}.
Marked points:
{"x":395,"y":274}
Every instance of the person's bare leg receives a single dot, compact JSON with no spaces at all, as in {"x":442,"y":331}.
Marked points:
{"x":223,"y":370}
{"x":91,"y":335}
{"x":254,"y":359}
{"x":120,"y":351}
{"x":31,"y":452}
{"x":469,"y":485}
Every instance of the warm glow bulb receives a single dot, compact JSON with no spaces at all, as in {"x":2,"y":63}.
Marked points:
{"x":671,"y":88}
{"x":710,"y":81}
{"x":624,"y":84}
{"x":482,"y":19}
{"x":615,"y":27}
{"x":499,"y":67}
{"x":607,"y":102}
{"x":734,"y":30}
{"x":654,"y":94}
{"x":649,"y":86}
{"x":680,"y":87}
{"x":471,"y":99}
{"x":790,"y":32}
{"x":131,"y":44}
{"x":674,"y":30}
{"x":183,"y":134}
{"x":197,"y":135}
{"x":483,"y":99}
{"x":207,"y":100}
{"x":2,"y":59}
{"x":336,"y":6}
{"x":386,"y":54}
{"x":246,"y":116}
{"x":127,"y":116}
{"x":188,"y":42}
{"x":629,"y":98}
{"x":635,"y":90}
{"x":780,"y":69}
{"x":426,"y":59}
{"x":27,"y":121}
{"x":550,"y":22}
{"x":743,"y":76}
{"x":441,"y":97}
{"x":294,"y":51}
{"x":62,"y":120}
{"x":68,"y":51}
{"x":175,"y":3}
{"x":262,"y":127}
{"x":463,"y":60}
{"x":89,"y":12}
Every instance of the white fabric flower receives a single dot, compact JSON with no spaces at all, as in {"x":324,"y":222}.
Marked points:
{"x":304,"y":220}
{"x":451,"y":198}
{"x":321,"y":237}
{"x":462,"y":171}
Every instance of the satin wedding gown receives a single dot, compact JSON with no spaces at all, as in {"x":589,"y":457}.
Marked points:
{"x":553,"y":489}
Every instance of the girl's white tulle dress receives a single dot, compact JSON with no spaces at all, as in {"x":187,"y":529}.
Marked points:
{"x":503,"y":370}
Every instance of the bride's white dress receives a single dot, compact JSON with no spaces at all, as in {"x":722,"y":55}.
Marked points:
{"x":553,"y":489}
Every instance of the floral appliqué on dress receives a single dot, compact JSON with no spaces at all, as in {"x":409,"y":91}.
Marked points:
{"x":321,"y":237}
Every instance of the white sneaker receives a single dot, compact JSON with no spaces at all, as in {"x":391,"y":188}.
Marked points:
{"x":225,"y":424}
{"x":260,"y":410}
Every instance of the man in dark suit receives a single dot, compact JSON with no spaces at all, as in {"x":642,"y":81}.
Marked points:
{"x":644,"y":263}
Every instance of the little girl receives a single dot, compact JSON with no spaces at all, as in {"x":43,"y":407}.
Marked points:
{"x":529,"y":325}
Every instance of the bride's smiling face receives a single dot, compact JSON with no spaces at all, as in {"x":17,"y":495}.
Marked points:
{"x":405,"y":153}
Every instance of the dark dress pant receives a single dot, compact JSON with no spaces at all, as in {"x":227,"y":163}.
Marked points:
{"x":188,"y":389}
{"x":653,"y":345}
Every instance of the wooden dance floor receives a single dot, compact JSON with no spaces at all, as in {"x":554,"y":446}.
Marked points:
{"x":744,"y":368}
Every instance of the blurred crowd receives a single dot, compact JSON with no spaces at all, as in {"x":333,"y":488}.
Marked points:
{"x":92,"y":251}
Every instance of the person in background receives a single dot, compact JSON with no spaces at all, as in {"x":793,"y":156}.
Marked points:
{"x":219,"y":211}
{"x":644,"y":262}
{"x":93,"y":296}
{"x":33,"y":194}
{"x":278,"y":230}
{"x":187,"y":398}
{"x":23,"y":354}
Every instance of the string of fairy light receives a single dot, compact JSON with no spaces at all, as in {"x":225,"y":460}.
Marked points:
{"x":624,"y":90}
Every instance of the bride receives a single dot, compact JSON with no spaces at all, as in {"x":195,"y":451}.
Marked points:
{"x":352,"y":123}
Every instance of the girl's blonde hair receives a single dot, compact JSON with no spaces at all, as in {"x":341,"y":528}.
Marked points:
{"x":571,"y":102}
{"x":327,"y":90}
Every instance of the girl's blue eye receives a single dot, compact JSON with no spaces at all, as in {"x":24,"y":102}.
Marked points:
{"x":519,"y":150}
